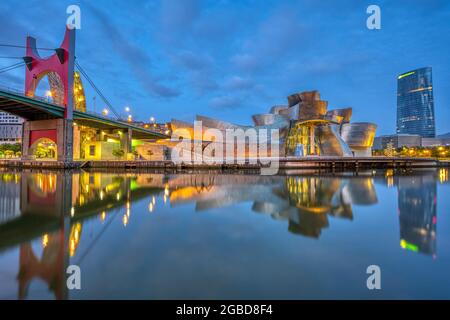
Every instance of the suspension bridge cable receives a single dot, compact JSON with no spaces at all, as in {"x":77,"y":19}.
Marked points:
{"x":22,"y":47}
{"x":3,"y":71}
{"x":105,"y":100}
{"x":99,"y":92}
{"x":12,"y":67}
{"x":4,"y":57}
{"x":97,"y":238}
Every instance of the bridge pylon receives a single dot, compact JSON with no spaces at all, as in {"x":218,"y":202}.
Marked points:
{"x":60,"y":69}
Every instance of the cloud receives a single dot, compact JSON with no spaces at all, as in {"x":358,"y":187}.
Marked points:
{"x":278,"y":35}
{"x":176,"y":19}
{"x":245,"y":61}
{"x":192,"y":61}
{"x":202,"y":82}
{"x":225,"y":102}
{"x":134,"y":56}
{"x":238,"y":83}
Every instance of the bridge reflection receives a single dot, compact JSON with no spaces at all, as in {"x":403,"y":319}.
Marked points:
{"x":52,"y":207}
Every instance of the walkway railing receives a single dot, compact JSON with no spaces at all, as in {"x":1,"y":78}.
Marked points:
{"x":48,"y":100}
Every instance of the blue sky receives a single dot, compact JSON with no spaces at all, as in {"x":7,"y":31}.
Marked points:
{"x":230,"y":59}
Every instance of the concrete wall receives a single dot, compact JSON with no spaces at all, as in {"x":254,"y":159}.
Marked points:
{"x":76,"y":143}
{"x":64,"y":132}
{"x":103,"y":150}
{"x":152,"y":151}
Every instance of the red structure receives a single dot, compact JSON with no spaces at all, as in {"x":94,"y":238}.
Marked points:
{"x":50,"y":268}
{"x":59,"y":66}
{"x":50,"y":134}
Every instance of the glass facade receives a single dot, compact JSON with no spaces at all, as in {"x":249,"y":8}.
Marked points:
{"x":415,"y":105}
{"x":301,"y":140}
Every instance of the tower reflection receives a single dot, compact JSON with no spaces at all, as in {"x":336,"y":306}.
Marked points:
{"x":417,"y":197}
{"x":51,"y":208}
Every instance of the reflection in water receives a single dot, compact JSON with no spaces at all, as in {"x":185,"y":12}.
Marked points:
{"x":50,"y":267}
{"x":417,"y":202}
{"x":443,"y":175}
{"x":417,"y":199}
{"x":304,"y":202}
{"x":52,"y":207}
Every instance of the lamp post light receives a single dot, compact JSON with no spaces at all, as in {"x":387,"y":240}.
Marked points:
{"x":152,"y":120}
{"x":130,"y":118}
{"x":105,"y":112}
{"x":48,"y":94}
{"x":127,"y":109}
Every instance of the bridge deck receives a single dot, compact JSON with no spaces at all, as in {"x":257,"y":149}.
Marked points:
{"x":37,"y":109}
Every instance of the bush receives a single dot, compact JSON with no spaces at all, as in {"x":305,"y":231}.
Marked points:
{"x":118,"y":153}
{"x":9,"y":153}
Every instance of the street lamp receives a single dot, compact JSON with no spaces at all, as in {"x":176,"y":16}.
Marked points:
{"x":105,"y":112}
{"x":127,"y":109}
{"x":152,"y":119}
{"x":130,"y":118}
{"x":48,"y":94}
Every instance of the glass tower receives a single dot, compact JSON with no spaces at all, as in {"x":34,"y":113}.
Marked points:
{"x":415,"y":105}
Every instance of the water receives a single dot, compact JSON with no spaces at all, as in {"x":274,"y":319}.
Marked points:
{"x":224,"y":236}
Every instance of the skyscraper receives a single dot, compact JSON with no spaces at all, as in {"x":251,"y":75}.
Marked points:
{"x":415,"y":105}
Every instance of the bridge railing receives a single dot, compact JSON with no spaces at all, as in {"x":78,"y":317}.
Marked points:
{"x":19,"y":92}
{"x":48,"y":100}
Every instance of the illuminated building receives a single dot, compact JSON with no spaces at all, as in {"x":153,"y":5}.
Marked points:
{"x":305,"y":127}
{"x":10,"y":128}
{"x":415,"y":104}
{"x":78,"y":93}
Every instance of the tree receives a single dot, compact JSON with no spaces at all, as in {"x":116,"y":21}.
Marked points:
{"x":118,"y":153}
{"x":9,"y":153}
{"x":389,"y":151}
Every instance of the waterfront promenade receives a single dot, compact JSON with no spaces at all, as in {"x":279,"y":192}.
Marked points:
{"x":326,"y":163}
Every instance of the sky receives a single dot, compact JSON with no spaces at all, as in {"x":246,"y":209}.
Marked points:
{"x":230,"y":59}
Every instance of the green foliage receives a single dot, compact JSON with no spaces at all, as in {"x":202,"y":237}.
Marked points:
{"x":441,"y":152}
{"x":118,"y":153}
{"x":8,"y":150}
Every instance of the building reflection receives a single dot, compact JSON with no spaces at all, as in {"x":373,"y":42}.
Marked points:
{"x":305,"y":202}
{"x":50,"y":267}
{"x":50,"y":208}
{"x":417,"y":207}
{"x":417,"y":198}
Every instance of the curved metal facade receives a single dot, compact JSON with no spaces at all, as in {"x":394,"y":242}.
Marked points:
{"x":268,"y":119}
{"x":277,"y":109}
{"x":359,"y":134}
{"x":305,"y":128}
{"x":344,"y":115}
{"x":331,"y":143}
{"x":217,"y":124}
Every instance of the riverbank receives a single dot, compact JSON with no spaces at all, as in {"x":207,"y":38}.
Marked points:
{"x":327,"y":163}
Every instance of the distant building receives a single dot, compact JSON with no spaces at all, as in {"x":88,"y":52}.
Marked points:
{"x":10,"y":128}
{"x":397,"y":141}
{"x":415,"y":104}
{"x":409,"y":140}
{"x":436,"y":142}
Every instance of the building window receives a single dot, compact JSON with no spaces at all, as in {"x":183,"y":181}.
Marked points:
{"x":92,"y":150}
